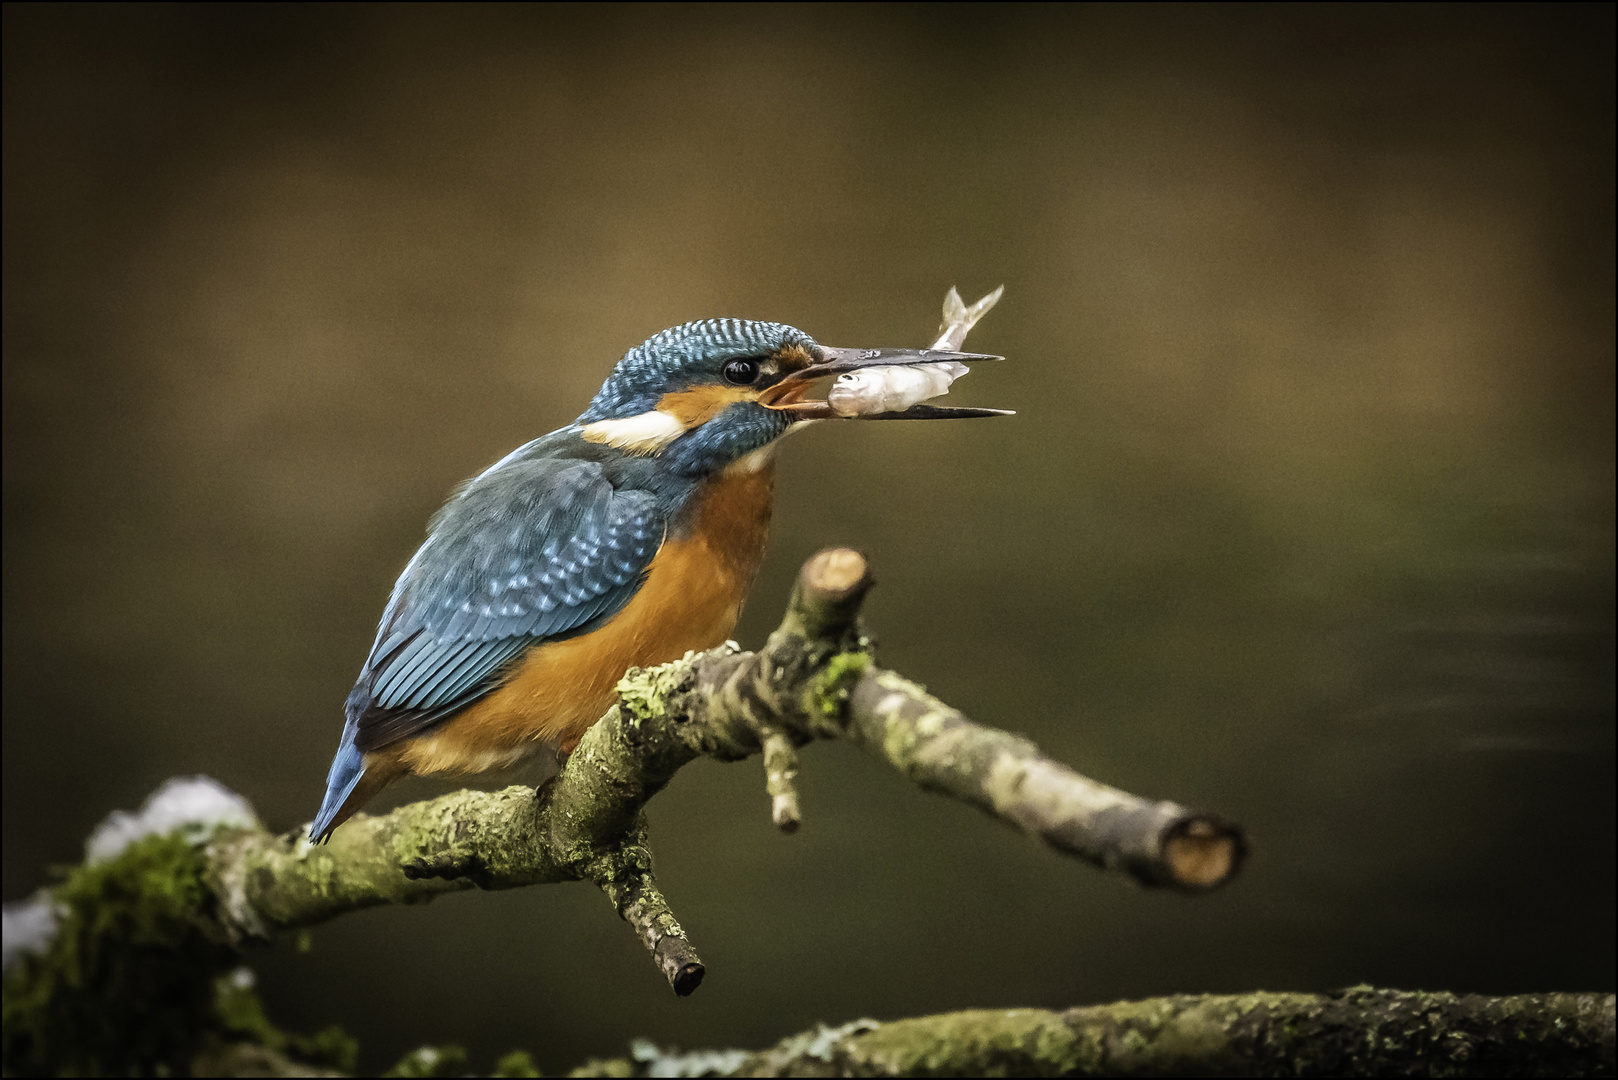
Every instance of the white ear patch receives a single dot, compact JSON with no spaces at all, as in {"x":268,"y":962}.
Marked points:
{"x":644,"y":434}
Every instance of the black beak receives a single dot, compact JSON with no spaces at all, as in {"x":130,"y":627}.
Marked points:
{"x":787,"y":395}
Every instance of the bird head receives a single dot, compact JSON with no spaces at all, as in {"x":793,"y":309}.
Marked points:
{"x":706,"y":394}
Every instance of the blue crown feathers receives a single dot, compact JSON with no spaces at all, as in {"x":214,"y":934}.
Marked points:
{"x":682,"y":354}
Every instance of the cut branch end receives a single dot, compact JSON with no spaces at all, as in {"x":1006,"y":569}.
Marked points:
{"x":627,"y":881}
{"x":835,"y":571}
{"x":831,"y":587}
{"x":1201,"y":853}
{"x":680,"y":965}
{"x":784,"y":812}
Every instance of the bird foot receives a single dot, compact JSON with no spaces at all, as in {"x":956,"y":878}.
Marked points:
{"x":563,"y":752}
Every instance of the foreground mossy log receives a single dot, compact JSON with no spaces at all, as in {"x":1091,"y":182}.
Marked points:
{"x":1356,"y":1032}
{"x":813,"y":679}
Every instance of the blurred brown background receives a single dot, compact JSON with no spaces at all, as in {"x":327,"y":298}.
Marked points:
{"x":1306,"y":516}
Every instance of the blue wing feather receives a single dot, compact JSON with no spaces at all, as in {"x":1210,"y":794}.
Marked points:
{"x":441,"y":667}
{"x":392,"y":671}
{"x":475,"y":658}
{"x":472,"y":671}
{"x":532,"y":551}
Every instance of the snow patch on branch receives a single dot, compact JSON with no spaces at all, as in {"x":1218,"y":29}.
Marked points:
{"x":193,"y":805}
{"x":27,"y":928}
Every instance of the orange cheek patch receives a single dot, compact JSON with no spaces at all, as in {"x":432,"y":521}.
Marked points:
{"x":701,"y":404}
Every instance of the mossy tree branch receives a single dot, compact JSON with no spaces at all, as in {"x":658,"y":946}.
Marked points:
{"x":813,"y":679}
{"x":1357,"y":1032}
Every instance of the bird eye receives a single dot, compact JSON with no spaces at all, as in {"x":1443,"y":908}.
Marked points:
{"x":741,"y":372}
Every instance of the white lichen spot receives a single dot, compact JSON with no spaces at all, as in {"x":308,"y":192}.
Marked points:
{"x":661,"y":1062}
{"x":827,"y":1038}
{"x":422,"y":1061}
{"x":823,"y":1042}
{"x":195,"y":805}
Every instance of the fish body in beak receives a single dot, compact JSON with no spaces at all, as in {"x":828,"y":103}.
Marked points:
{"x":878,"y":384}
{"x":889,"y":384}
{"x":891,"y":389}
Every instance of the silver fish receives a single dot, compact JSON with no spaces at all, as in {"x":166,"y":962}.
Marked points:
{"x":895,"y":389}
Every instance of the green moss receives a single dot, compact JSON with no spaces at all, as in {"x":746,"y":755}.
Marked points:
{"x":138,"y":979}
{"x":984,"y":1042}
{"x":827,"y":692}
{"x":241,"y":1017}
{"x":605,"y":1067}
{"x":643,"y":692}
{"x":516,"y":1063}
{"x":128,"y":981}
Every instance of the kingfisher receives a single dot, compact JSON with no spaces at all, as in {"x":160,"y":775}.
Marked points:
{"x":624,"y":539}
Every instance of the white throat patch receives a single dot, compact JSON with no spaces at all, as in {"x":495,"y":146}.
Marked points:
{"x":752,"y":462}
{"x":644,"y":434}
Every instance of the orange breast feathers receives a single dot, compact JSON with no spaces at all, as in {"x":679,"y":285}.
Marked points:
{"x":694,"y":591}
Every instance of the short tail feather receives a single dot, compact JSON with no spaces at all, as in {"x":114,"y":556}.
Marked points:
{"x":346,"y":770}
